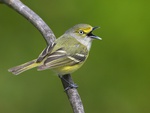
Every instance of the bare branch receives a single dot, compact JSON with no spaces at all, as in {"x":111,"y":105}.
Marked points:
{"x":33,"y":18}
{"x":73,"y":95}
{"x":49,"y":37}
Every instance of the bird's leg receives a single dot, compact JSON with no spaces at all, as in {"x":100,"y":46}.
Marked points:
{"x":68,"y":84}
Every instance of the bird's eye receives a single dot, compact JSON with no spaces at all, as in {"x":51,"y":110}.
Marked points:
{"x":81,"y":32}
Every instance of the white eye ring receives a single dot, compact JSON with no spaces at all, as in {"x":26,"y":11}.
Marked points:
{"x":81,"y":32}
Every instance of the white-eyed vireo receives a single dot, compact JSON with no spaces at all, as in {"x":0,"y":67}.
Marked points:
{"x":66,"y":54}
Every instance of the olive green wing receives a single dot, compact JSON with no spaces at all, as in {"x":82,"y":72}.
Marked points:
{"x":66,"y":55}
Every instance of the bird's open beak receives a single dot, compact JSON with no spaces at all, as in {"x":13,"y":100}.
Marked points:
{"x":94,"y":36}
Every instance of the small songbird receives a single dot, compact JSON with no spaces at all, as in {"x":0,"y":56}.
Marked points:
{"x":66,"y":54}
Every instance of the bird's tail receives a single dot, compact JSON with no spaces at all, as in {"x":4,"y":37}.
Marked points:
{"x":24,"y":67}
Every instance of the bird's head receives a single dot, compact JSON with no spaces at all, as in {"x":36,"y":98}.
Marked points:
{"x":83,"y":31}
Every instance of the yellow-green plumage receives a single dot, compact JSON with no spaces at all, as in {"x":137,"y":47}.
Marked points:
{"x":65,"y":55}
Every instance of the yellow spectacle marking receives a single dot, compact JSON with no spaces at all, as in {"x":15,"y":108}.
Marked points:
{"x":87,"y":30}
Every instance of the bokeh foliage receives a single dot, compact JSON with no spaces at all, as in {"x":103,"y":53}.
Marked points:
{"x":116,"y":77}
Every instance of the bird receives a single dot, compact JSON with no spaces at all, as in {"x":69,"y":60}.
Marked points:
{"x":66,"y":54}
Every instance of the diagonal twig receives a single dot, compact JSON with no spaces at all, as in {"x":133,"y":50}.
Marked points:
{"x":31,"y":16}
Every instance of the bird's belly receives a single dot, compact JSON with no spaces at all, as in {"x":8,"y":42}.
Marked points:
{"x":67,"y":69}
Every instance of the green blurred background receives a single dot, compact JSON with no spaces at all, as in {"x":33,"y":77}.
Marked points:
{"x":115,"y":78}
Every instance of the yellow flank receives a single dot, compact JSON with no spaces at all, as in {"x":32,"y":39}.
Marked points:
{"x":67,"y":69}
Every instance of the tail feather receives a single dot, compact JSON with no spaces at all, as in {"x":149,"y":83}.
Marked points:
{"x":23,"y":67}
